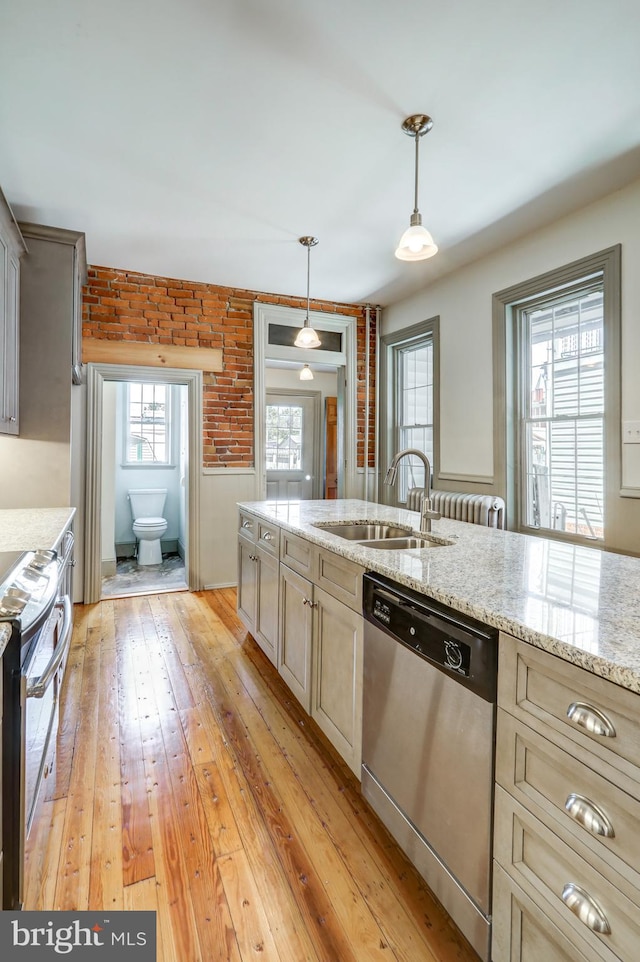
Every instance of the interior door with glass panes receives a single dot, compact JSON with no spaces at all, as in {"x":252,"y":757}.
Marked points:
{"x":291,"y":454}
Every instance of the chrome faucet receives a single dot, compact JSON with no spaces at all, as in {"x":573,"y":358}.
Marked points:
{"x":427,"y":515}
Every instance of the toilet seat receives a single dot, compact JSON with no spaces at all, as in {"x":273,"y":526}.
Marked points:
{"x":149,"y":522}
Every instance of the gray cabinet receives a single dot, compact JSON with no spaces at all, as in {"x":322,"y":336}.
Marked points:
{"x":306,"y":615}
{"x":296,"y":627}
{"x":567,"y":856}
{"x":257,"y":601}
{"x":12,"y":248}
{"x":51,"y":273}
{"x":336,"y":696}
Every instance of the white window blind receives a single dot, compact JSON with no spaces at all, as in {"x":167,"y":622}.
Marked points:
{"x":562,"y":413}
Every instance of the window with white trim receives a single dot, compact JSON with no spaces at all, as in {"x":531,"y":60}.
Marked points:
{"x":147,"y":429}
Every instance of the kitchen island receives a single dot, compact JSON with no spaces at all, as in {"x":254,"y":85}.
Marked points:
{"x":579,"y":603}
{"x":566,"y":795}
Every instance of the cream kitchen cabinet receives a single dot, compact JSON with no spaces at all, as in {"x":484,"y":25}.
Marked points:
{"x":321,"y":640}
{"x":337,"y":675}
{"x":12,"y":247}
{"x":319,"y":646}
{"x":320,"y":659}
{"x":296,"y":632}
{"x":258,"y":577}
{"x":567,"y":855}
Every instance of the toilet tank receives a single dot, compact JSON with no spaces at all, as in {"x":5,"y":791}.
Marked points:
{"x":147,"y":502}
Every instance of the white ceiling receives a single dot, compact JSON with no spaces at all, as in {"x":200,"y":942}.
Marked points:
{"x":200,"y":138}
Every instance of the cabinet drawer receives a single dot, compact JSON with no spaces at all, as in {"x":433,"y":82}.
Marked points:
{"x":247,"y":525}
{"x":522,"y":932}
{"x":299,"y":554}
{"x":341,"y":578}
{"x":581,"y":712}
{"x":268,"y":537}
{"x":543,"y":866}
{"x":545,"y":779}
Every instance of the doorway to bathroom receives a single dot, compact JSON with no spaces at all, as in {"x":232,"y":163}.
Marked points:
{"x":143,"y":444}
{"x":143,"y":517}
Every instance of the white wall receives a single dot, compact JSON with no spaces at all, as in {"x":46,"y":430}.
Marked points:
{"x":323,"y":381}
{"x":462,"y":299}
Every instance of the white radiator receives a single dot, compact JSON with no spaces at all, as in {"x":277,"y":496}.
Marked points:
{"x":486,"y":509}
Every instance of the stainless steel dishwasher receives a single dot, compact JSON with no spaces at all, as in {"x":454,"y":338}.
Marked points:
{"x":430,"y":676}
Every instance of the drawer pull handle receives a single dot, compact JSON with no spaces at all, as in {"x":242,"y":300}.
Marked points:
{"x":586,"y":908}
{"x":591,"y":719}
{"x":589,"y":815}
{"x":267,"y":536}
{"x":247,"y":524}
{"x":308,"y":601}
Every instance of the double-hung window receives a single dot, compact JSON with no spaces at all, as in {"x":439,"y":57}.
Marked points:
{"x":562,"y":407}
{"x":557,"y":399}
{"x":147,"y":429}
{"x":409,"y":362}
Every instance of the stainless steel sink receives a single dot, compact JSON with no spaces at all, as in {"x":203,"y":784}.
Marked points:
{"x":396,"y":544}
{"x":365,"y":532}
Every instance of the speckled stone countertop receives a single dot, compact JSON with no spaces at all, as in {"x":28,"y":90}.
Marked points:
{"x":580,"y":603}
{"x":5,"y":634}
{"x":26,"y":529}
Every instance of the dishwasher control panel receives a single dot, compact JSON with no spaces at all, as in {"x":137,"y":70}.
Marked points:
{"x":416,"y":629}
{"x":457,"y":645}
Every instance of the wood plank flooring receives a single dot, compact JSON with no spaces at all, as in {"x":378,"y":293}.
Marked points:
{"x":190,"y":782}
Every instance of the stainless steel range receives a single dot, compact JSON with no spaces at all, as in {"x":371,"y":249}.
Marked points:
{"x":35,"y":600}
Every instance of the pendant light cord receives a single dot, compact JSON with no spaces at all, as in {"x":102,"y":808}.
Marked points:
{"x":306,"y":322}
{"x":415,"y":202}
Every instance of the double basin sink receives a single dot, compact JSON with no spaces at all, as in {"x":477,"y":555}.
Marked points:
{"x":390,"y":537}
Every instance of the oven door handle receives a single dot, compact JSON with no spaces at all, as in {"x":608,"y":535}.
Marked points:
{"x":38,"y":687}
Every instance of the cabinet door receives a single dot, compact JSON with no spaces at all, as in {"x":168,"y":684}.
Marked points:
{"x":11,"y":358}
{"x":247,"y":584}
{"x":266,"y":623}
{"x":294,"y":656}
{"x":338,"y":671}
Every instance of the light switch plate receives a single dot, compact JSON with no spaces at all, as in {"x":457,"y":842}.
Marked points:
{"x":631,"y":432}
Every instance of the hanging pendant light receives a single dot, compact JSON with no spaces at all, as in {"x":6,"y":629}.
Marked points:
{"x":306,"y":336}
{"x":416,"y":244}
{"x":306,"y":374}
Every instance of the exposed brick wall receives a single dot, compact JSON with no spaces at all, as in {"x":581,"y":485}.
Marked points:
{"x":361,"y":376}
{"x":127,"y":306}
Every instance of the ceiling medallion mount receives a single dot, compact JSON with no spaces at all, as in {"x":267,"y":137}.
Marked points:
{"x":308,"y":241}
{"x":417,"y":125}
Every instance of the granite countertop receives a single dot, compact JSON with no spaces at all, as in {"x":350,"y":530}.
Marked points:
{"x":26,"y":529}
{"x":580,"y":603}
{"x":5,"y":634}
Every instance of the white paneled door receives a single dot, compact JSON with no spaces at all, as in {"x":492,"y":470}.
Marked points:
{"x":291,"y":447}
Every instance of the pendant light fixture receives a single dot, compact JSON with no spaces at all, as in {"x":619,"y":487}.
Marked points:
{"x":306,"y":336}
{"x":416,"y":244}
{"x":306,"y":374}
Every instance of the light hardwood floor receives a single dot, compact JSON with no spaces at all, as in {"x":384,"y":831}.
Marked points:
{"x":190,"y":782}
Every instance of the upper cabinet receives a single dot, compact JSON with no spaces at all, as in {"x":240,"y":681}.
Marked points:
{"x":53,"y":276}
{"x":12,"y":248}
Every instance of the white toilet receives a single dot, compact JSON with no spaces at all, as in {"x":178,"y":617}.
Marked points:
{"x":149,"y":527}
